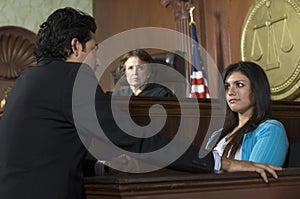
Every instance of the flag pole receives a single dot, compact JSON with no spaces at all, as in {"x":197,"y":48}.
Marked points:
{"x":198,"y":80}
{"x":191,"y":9}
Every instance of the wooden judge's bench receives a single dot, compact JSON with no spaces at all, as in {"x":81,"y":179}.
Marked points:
{"x":169,"y":184}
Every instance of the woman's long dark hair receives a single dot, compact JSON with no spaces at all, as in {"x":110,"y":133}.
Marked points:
{"x":260,"y":91}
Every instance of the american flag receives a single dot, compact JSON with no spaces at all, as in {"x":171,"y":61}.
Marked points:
{"x":199,"y":85}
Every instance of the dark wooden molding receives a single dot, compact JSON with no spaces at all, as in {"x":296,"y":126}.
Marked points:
{"x":177,"y":185}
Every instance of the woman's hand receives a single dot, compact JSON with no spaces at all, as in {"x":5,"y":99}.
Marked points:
{"x":231,"y":165}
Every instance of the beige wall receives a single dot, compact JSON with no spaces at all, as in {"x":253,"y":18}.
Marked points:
{"x":31,"y":13}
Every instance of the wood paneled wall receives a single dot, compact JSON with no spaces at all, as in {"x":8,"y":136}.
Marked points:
{"x":115,"y":16}
{"x":220,"y":28}
{"x":219,"y":22}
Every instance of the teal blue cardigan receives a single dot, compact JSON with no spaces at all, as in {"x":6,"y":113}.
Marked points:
{"x":268,"y":143}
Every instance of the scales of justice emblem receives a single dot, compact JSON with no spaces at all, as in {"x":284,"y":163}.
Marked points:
{"x":270,"y":37}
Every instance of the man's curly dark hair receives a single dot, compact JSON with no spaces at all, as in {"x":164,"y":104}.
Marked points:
{"x":55,"y":34}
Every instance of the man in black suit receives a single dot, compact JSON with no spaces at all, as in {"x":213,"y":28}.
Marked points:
{"x":40,"y":149}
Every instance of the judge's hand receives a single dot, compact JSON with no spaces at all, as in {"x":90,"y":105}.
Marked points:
{"x":231,"y":165}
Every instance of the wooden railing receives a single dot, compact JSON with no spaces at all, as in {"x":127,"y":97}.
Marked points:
{"x":179,"y":185}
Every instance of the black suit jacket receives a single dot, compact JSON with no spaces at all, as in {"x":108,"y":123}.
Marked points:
{"x":40,"y":150}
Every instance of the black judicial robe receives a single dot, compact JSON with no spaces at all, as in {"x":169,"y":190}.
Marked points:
{"x":40,"y":150}
{"x":151,"y":89}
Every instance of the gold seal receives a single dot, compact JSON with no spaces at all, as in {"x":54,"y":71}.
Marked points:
{"x":271,"y":38}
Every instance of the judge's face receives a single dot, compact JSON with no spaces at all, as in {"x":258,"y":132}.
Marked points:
{"x":238,"y":93}
{"x":136,"y":71}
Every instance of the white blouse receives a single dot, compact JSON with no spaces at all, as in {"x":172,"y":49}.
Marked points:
{"x":219,"y":148}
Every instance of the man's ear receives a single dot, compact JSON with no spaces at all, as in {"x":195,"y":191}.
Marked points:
{"x":75,"y":45}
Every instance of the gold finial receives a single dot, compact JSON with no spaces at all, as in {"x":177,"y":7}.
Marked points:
{"x":191,"y":10}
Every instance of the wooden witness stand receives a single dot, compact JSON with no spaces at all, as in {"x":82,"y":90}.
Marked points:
{"x":165,"y":184}
{"x":177,"y":185}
